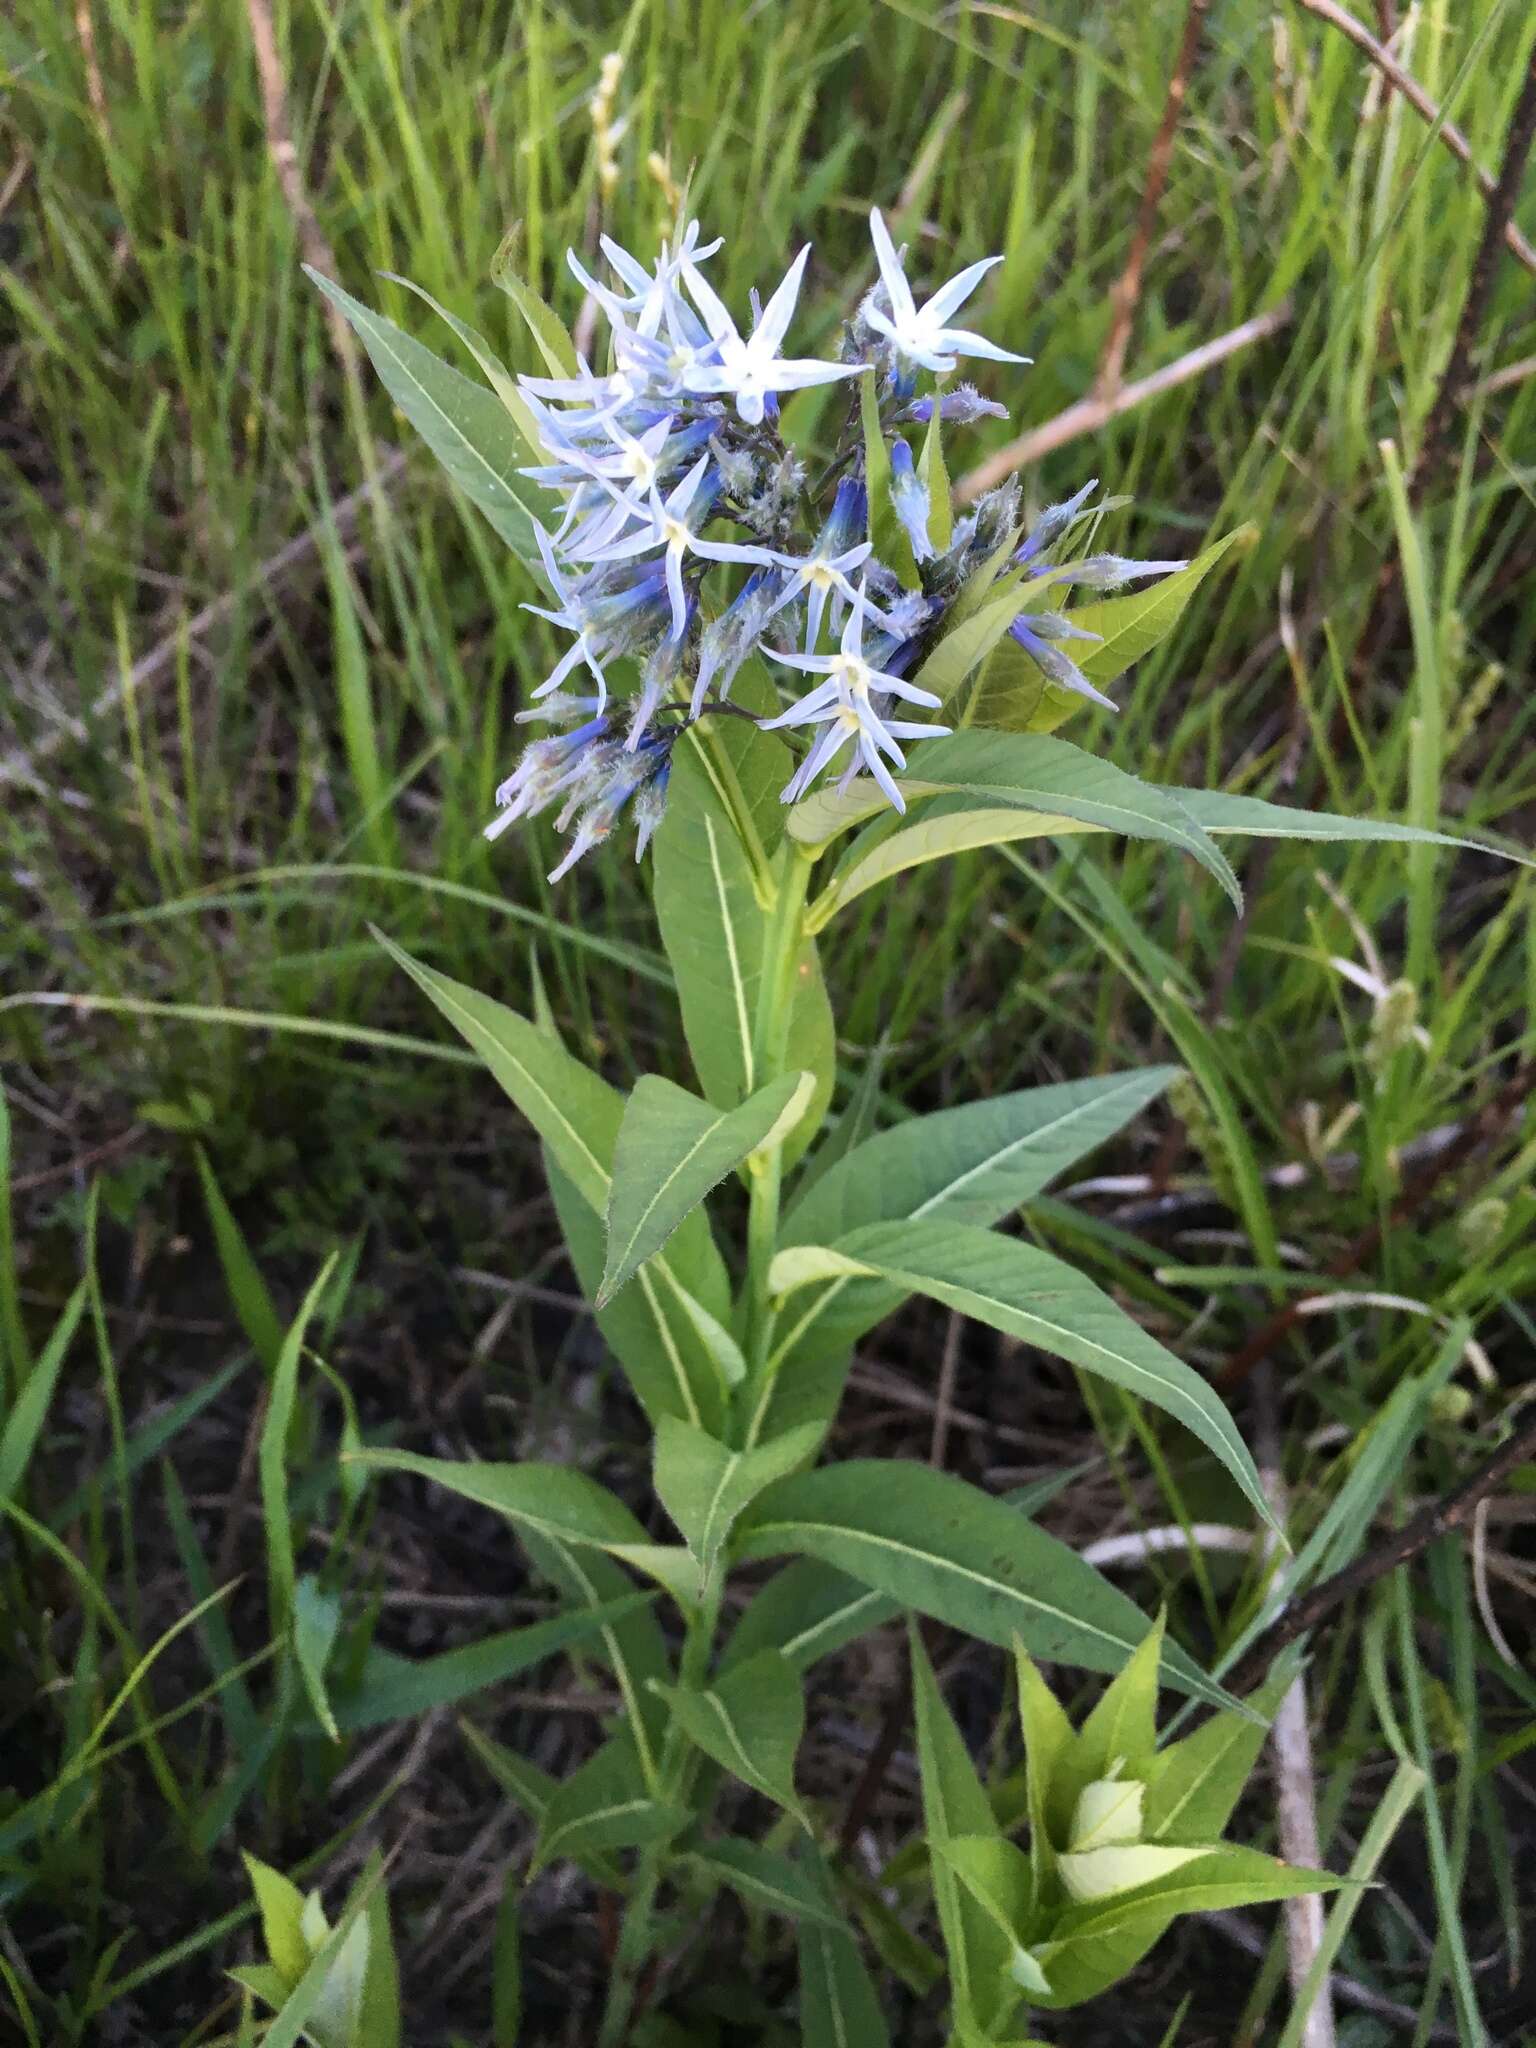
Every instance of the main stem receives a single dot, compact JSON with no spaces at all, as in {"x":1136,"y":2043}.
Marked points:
{"x":770,"y":1040}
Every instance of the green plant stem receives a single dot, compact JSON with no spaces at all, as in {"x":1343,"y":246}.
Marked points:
{"x":678,"y":1761}
{"x":770,"y":1038}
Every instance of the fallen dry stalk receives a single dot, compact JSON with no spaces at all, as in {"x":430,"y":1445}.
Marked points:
{"x":1340,"y":18}
{"x":1127,"y":292}
{"x":1089,"y":414}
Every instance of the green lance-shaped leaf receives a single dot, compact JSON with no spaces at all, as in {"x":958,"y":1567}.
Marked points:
{"x":1221,"y":1877}
{"x":808,"y":1610}
{"x":281,"y":1906}
{"x":954,"y":1804}
{"x":750,"y":1722}
{"x":950,"y":824}
{"x":577,"y":1114}
{"x":1219,"y":811}
{"x":973,"y":1164}
{"x":1131,"y":626}
{"x":604,"y":1806}
{"x":554,"y":343}
{"x":839,"y":2006}
{"x":713,"y":905}
{"x":316,"y":1620}
{"x":678,"y":1356}
{"x":1193,"y":1785}
{"x":29,"y":1409}
{"x":762,"y":1877}
{"x":977,"y":1164}
{"x":704,"y":1486}
{"x":671,"y":1150}
{"x":530,"y":1790}
{"x":1033,"y":1295}
{"x":1049,"y":1739}
{"x":468,"y":428}
{"x":552,"y":1501}
{"x":1034,"y":773}
{"x":935,"y":475}
{"x":993,"y":1875}
{"x":394,"y":1688}
{"x":943,"y":1548}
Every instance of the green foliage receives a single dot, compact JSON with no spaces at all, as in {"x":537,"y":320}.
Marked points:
{"x":190,"y":908}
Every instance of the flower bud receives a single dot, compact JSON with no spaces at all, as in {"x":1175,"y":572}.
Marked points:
{"x":1108,"y":1811}
{"x":1090,"y":1874}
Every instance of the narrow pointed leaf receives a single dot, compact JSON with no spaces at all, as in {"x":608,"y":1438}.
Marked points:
{"x":1031,"y":1294}
{"x":764,"y":1878}
{"x":670,"y":1151}
{"x":604,"y":1806}
{"x":551,"y":1501}
{"x":943,"y":1548}
{"x":704,"y":1485}
{"x":1218,"y":810}
{"x":467,"y":428}
{"x":577,"y":1114}
{"x":554,"y":343}
{"x":714,"y":913}
{"x":750,"y":1722}
{"x":392,"y":1688}
{"x":954,"y":1804}
{"x":839,"y":2006}
{"x":808,"y":1610}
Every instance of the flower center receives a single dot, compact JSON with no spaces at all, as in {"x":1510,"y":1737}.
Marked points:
{"x":677,"y":535}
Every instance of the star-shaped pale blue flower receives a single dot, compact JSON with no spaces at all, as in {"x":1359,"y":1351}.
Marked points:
{"x":844,"y":705}
{"x":922,"y":333}
{"x":748,"y":370}
{"x":667,"y":526}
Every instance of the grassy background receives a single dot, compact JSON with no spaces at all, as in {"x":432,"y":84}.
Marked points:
{"x":201,"y":815}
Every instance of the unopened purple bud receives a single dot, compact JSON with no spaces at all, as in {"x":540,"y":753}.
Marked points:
{"x":1108,"y":572}
{"x":962,"y":407}
{"x":1053,"y":523}
{"x":1054,"y":663}
{"x":909,"y":495}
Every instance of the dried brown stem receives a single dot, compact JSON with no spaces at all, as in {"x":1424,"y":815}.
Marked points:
{"x":1089,"y":414}
{"x":318,"y":253}
{"x":1127,"y":292}
{"x":1443,"y":1517}
{"x":1340,"y":18}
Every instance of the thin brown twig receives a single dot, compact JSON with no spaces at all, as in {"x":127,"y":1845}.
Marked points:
{"x":313,"y":241}
{"x":95,"y":89}
{"x":1089,"y":414}
{"x":1126,"y":295}
{"x":1340,"y":18}
{"x":1443,"y":1517}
